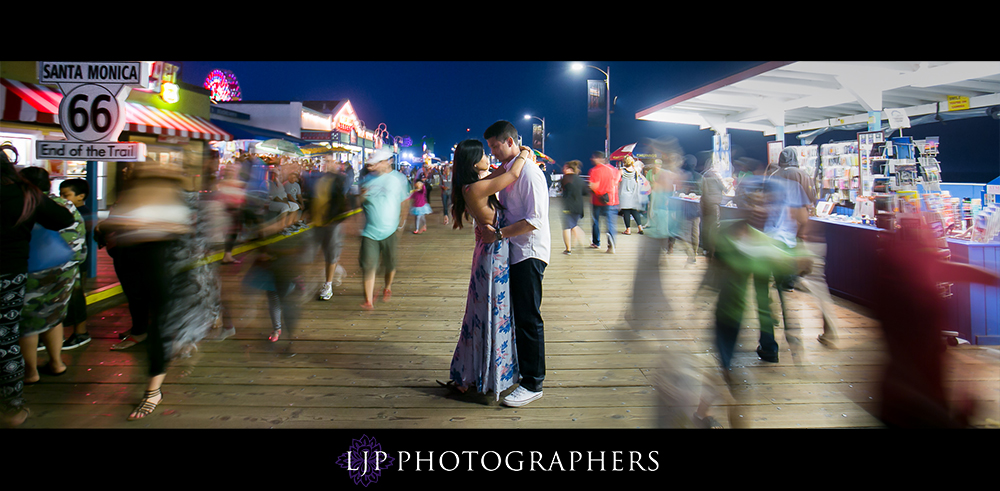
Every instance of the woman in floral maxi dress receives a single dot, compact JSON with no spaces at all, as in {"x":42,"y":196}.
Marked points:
{"x":485,"y":358}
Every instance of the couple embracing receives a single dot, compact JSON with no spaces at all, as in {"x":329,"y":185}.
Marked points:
{"x":502,"y":342}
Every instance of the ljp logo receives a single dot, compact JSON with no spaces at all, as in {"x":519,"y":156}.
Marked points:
{"x":365,"y":460}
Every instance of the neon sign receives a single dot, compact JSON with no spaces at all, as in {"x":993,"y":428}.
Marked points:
{"x":223,"y":85}
{"x":171,"y":93}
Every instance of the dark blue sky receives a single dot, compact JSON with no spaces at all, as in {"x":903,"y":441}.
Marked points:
{"x":442,"y":99}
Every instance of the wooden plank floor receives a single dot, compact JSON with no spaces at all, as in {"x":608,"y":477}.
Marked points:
{"x":348,"y":368}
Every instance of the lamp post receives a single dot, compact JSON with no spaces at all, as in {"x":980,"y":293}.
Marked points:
{"x":607,"y":96}
{"x":528,"y":116}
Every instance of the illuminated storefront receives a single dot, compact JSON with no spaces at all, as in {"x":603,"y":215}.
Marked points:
{"x":170,"y":117}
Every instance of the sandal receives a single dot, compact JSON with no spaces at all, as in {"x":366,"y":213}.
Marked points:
{"x":707,"y":422}
{"x":367,"y":306}
{"x":451,"y":386}
{"x":275,"y":335}
{"x":386,"y":295}
{"x":126,"y":343}
{"x":146,"y":407}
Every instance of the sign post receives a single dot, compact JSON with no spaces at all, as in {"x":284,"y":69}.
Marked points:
{"x":92,"y":116}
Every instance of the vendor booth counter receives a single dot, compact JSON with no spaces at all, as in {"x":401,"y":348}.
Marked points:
{"x":851,"y":258}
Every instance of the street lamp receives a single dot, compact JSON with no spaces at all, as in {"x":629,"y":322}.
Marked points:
{"x":528,"y":116}
{"x":607,"y":96}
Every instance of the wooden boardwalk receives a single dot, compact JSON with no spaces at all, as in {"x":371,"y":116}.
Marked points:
{"x":348,"y":368}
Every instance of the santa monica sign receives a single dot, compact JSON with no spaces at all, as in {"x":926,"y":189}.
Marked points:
{"x":92,"y":110}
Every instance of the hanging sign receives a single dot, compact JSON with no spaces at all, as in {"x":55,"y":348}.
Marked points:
{"x":897,"y":118}
{"x":92,"y":110}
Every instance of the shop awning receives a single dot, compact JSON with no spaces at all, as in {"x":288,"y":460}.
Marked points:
{"x":149,"y":119}
{"x":32,"y":103}
{"x":245,"y":132}
{"x":806,"y":96}
{"x":29,"y":103}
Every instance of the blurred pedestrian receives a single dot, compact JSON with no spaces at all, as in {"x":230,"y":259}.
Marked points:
{"x":420,"y":205}
{"x":329,"y":209}
{"x":630,"y":195}
{"x":280,"y":204}
{"x":689,"y":215}
{"x":49,"y":290}
{"x":23,"y":205}
{"x":233,"y":194}
{"x":913,"y":312}
{"x":383,"y":193}
{"x":143,"y":229}
{"x":603,"y":182}
{"x":294,"y":191}
{"x":776,"y":208}
{"x":573,"y":192}
{"x":446,"y":184}
{"x":814,"y":282}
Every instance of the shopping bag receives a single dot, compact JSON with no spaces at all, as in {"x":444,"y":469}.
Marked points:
{"x":48,"y":250}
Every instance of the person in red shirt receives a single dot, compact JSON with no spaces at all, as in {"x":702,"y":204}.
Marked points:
{"x":604,"y":198}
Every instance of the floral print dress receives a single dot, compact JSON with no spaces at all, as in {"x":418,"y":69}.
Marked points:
{"x":485,"y":357}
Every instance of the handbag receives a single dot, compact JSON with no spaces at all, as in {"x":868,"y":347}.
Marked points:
{"x":644,"y":187}
{"x":48,"y":250}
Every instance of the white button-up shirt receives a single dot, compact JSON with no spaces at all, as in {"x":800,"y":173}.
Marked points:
{"x":528,"y":199}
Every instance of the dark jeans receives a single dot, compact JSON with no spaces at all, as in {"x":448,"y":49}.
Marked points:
{"x":529,"y":335}
{"x":608,"y":212}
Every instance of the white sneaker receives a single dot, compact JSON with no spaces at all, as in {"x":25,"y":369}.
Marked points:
{"x":338,"y":275}
{"x":327,"y":292}
{"x":520,"y":397}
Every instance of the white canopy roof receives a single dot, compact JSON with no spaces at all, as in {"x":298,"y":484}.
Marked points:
{"x":807,"y":95}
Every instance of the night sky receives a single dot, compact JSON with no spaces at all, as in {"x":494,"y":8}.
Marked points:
{"x":450,"y":101}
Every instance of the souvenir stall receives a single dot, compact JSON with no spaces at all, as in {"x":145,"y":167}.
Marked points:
{"x":880,"y":177}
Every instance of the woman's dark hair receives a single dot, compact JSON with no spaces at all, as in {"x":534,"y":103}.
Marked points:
{"x":9,"y":175}
{"x":467,"y":155}
{"x":39,"y":177}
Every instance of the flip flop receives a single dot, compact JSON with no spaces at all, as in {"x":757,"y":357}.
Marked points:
{"x":126,"y":343}
{"x":386,"y":295}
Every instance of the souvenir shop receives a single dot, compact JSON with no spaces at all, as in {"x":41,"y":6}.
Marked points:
{"x":882,"y":170}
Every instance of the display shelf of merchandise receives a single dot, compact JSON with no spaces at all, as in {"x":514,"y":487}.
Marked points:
{"x":839,"y":171}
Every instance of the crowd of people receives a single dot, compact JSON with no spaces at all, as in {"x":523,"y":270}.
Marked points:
{"x":160,"y":235}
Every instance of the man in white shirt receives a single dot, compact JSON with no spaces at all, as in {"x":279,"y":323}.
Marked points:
{"x":527,"y":210}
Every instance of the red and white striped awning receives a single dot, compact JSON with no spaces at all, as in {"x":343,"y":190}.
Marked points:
{"x":29,"y":102}
{"x":33,"y":103}
{"x":149,"y":119}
